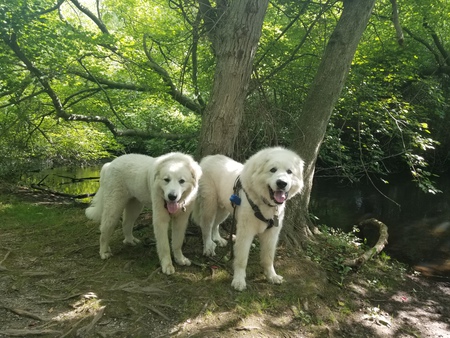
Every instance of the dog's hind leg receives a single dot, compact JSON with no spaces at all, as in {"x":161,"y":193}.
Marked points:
{"x":110,"y":218}
{"x":207,"y":217}
{"x":221,"y":216}
{"x":268,"y":240}
{"x":132,"y":211}
{"x":179,"y":225}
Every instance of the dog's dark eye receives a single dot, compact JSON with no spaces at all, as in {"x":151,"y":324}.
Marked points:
{"x":289,"y":171}
{"x":167,"y":180}
{"x":273,"y":170}
{"x":181,"y":181}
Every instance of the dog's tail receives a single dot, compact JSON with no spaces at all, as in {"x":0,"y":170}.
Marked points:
{"x":95,"y":210}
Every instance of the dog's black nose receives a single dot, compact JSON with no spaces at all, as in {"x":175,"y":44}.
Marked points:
{"x":172,"y":197}
{"x":281,"y":184}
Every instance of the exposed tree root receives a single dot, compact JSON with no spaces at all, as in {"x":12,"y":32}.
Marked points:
{"x":2,"y":268}
{"x":376,"y":249}
{"x":83,"y":331}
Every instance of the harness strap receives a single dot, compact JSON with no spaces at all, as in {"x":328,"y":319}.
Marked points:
{"x":257,"y":212}
{"x":236,"y":200}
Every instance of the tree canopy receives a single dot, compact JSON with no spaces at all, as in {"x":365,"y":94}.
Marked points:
{"x":82,"y":79}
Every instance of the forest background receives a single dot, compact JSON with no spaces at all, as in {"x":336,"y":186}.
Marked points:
{"x":84,"y":80}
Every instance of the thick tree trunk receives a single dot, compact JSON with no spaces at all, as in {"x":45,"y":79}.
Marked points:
{"x":319,"y":104}
{"x":236,"y":35}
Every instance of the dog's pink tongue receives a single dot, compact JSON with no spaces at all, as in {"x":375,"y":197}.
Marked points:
{"x":279,"y":196}
{"x":172,"y":207}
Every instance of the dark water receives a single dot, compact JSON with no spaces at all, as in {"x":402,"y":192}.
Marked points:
{"x":419,"y":223}
{"x":67,"y":180}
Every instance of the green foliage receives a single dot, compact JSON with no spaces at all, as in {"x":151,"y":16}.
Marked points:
{"x":393,"y":115}
{"x":387,"y":115}
{"x":334,"y":248}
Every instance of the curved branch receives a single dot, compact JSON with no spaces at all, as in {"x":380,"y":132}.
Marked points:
{"x":438,"y":43}
{"x":111,"y":106}
{"x":425,"y":43}
{"x":293,"y":54}
{"x":51,"y":9}
{"x":382,"y":241}
{"x":11,"y":41}
{"x":165,"y":76}
{"x":91,"y":16}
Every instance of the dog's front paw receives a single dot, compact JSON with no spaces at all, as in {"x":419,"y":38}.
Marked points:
{"x":275,"y":279}
{"x":209,"y":249}
{"x":238,"y":284}
{"x":168,"y":269}
{"x":183,"y":261}
{"x":105,"y":255}
{"x":131,"y":241}
{"x":221,"y":241}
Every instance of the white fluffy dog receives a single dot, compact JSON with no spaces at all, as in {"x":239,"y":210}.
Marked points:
{"x":263,"y":184}
{"x":168,"y":184}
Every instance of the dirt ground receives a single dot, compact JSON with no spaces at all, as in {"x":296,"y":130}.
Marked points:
{"x":53,"y":284}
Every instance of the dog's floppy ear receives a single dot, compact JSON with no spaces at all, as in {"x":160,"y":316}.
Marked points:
{"x":157,"y":171}
{"x":196,"y":170}
{"x":298,"y":173}
{"x":258,"y":164}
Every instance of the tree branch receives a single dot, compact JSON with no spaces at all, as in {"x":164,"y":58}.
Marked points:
{"x":11,"y":41}
{"x":111,"y":106}
{"x":165,"y":76}
{"x":437,"y":43}
{"x":396,"y":21}
{"x":425,"y":43}
{"x":92,"y":16}
{"x":51,"y":9}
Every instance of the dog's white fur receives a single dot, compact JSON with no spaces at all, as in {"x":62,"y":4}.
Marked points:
{"x":266,"y":178}
{"x":168,"y":184}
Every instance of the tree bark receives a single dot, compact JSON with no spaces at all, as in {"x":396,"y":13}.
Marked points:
{"x":318,"y":107}
{"x":235,"y":37}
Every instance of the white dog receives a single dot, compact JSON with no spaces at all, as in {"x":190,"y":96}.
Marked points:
{"x":168,"y":184}
{"x":263,"y":183}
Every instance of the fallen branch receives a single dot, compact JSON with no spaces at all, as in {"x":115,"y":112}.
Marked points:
{"x":155,"y":310}
{"x":54,"y":299}
{"x":133,"y":287}
{"x":21,"y":333}
{"x":62,"y":194}
{"x":376,"y":249}
{"x":24,"y":313}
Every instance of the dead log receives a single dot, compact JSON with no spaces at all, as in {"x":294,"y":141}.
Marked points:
{"x":62,"y":194}
{"x":376,"y":249}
